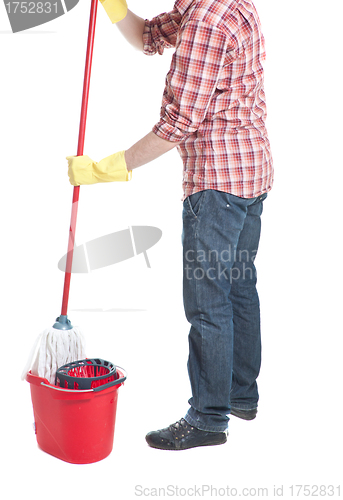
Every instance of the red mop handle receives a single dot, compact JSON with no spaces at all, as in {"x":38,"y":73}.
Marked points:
{"x":82,"y":129}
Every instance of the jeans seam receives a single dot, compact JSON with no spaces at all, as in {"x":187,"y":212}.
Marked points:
{"x":201,"y":327}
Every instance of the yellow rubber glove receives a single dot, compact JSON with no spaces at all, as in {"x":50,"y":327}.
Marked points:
{"x":83,"y":170}
{"x":115,"y":9}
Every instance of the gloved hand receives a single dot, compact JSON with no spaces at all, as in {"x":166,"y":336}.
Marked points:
{"x":83,"y":170}
{"x":115,"y":9}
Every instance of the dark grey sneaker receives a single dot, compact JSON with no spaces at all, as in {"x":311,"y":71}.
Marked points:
{"x":244,"y":414}
{"x":181,"y":436}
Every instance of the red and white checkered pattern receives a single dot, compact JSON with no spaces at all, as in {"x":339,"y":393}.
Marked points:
{"x":214,"y":100}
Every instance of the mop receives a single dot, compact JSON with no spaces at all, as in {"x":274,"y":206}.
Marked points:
{"x":62,"y":343}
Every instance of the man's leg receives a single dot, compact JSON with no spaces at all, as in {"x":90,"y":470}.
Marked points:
{"x":246,"y":317}
{"x":213,"y":223}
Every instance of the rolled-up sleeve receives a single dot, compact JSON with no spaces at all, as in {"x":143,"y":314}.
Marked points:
{"x":160,"y":33}
{"x":192,"y":80}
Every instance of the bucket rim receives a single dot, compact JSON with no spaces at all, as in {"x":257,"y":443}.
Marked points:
{"x":41,"y":381}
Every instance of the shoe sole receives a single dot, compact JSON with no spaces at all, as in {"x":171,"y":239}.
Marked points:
{"x":156,"y":447}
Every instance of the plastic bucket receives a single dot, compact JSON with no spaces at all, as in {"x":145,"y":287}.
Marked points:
{"x":75,"y":426}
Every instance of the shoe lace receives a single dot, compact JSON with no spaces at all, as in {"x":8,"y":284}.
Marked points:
{"x":179,"y":426}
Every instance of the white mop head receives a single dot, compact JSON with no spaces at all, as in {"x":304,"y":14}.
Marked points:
{"x":55,"y":349}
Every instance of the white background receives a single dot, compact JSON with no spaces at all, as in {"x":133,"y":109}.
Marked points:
{"x":296,"y":438}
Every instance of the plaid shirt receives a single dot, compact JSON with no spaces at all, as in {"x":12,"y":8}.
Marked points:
{"x":214,"y":101}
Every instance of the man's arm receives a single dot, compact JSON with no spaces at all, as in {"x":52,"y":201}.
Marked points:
{"x":132,"y":28}
{"x":117,"y":167}
{"x":147,"y":149}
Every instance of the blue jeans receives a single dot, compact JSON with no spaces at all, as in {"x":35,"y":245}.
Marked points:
{"x":220,"y":238}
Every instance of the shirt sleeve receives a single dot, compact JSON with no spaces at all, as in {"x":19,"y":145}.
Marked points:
{"x":192,"y":80}
{"x":160,"y":32}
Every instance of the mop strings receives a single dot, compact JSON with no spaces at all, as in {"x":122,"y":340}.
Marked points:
{"x":32,"y":355}
{"x":57,"y":348}
{"x":63,"y":347}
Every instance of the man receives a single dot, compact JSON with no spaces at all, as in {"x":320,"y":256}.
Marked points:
{"x":214,"y":111}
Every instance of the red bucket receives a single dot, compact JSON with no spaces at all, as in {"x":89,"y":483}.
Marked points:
{"x":75,"y":426}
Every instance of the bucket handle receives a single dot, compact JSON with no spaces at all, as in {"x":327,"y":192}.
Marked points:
{"x":111,"y":384}
{"x":120,"y":380}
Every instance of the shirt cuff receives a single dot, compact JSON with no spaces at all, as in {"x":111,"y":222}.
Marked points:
{"x":169,"y":133}
{"x":150,"y":46}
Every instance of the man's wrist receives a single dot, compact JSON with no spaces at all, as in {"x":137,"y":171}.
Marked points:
{"x":146,"y":150}
{"x":115,"y":9}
